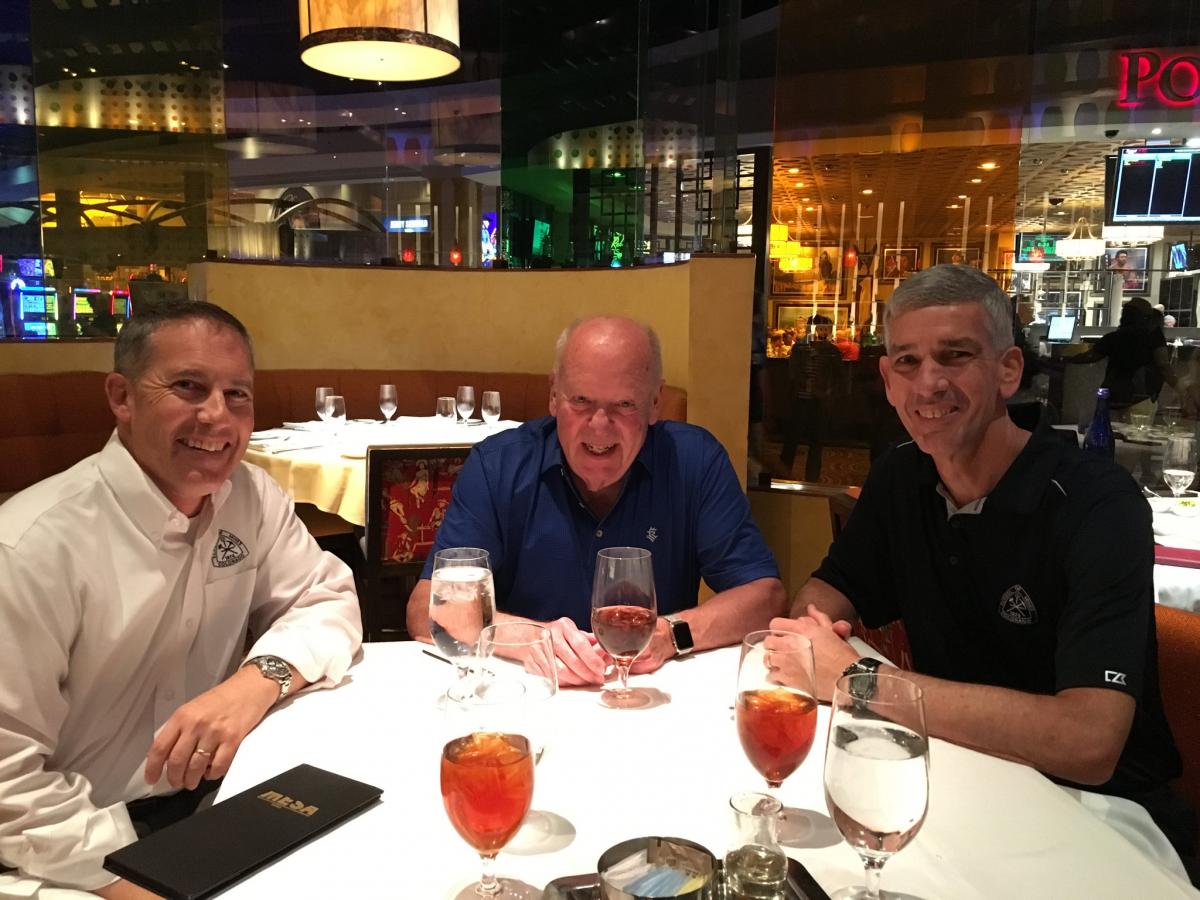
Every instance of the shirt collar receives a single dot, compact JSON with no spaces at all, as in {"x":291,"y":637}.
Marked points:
{"x":137,"y":494}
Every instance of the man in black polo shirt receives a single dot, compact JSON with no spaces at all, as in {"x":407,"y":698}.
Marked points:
{"x":1020,"y":567}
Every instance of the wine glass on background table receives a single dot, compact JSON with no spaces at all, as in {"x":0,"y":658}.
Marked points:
{"x":462,"y":602}
{"x":876,"y":770}
{"x":490,"y":410}
{"x":465,"y":399}
{"x":487,"y":774}
{"x":624,"y":613}
{"x":445,"y":409}
{"x":335,"y":411}
{"x":322,"y":393}
{"x":776,"y":711}
{"x":1179,"y":463}
{"x":387,"y":401}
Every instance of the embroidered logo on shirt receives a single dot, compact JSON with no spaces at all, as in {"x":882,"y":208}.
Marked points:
{"x":1017,"y":607}
{"x":652,"y":534}
{"x":229,"y":550}
{"x":1114,"y":677}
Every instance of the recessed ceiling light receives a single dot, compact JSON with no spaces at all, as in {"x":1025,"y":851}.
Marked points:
{"x":810,"y":208}
{"x":952,"y":206}
{"x":1156,"y":131}
{"x":805,"y":199}
{"x":799,"y":184}
{"x":868,"y":191}
{"x":793,"y":171}
{"x":976,"y":181}
{"x":987,"y":166}
{"x":962,"y":196}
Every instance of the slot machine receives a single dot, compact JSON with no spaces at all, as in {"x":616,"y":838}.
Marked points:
{"x":35,"y":304}
{"x":82,"y":311}
{"x":121,"y":309}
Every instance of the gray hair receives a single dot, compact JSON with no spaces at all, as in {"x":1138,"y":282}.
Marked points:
{"x":655,"y":345}
{"x":131,"y":353}
{"x":952,"y":285}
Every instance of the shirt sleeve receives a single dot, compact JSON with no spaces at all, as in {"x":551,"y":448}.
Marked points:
{"x":1110,"y":602}
{"x":471,"y":519}
{"x":730,"y":548}
{"x":50,"y":828}
{"x":858,"y":562}
{"x":305,"y":606}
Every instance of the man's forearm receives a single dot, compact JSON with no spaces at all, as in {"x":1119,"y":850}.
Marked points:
{"x":824,"y":597}
{"x":725,"y":618}
{"x":1077,"y":734}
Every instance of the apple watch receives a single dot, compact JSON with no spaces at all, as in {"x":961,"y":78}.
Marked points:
{"x":276,"y":669}
{"x":863,"y":688}
{"x":681,"y":635}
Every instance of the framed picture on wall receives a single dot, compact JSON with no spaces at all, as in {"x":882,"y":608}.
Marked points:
{"x":1130,"y":264}
{"x":955,"y":255}
{"x":900,"y":262}
{"x":790,"y":315}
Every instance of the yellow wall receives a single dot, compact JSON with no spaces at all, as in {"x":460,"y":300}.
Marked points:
{"x":306,"y":317}
{"x":796,"y":527}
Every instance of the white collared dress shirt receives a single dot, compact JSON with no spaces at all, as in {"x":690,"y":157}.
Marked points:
{"x":116,"y":609}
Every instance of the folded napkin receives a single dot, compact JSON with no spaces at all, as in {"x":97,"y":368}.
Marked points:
{"x":305,"y":426}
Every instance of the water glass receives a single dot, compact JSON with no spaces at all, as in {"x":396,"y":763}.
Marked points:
{"x":524,"y":651}
{"x":322,"y":393}
{"x":1179,"y":463}
{"x":876,"y":770}
{"x":387,"y":401}
{"x":462,"y":602}
{"x":445,"y":409}
{"x":466,"y":401}
{"x":335,"y":410}
{"x":491,"y":407}
{"x":755,"y":866}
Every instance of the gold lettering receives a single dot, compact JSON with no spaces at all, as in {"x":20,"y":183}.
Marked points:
{"x":308,"y":811}
{"x":270,"y":796}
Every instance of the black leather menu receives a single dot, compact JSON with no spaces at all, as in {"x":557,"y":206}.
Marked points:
{"x":221,"y":845}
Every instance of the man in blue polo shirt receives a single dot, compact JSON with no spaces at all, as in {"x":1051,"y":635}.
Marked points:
{"x":602,"y":472}
{"x":1020,"y":566}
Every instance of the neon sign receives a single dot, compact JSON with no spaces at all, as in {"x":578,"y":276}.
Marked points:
{"x":1172,"y":81}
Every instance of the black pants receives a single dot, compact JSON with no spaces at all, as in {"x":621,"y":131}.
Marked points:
{"x":807,"y":422}
{"x":152,"y":814}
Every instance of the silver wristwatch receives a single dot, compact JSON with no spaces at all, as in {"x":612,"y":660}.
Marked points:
{"x":276,"y":669}
{"x":863,"y":688}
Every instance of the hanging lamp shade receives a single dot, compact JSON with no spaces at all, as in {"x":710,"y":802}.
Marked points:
{"x":380,"y":40}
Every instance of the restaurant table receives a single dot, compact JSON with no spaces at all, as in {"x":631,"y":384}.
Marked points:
{"x":995,"y":829}
{"x":315,"y":465}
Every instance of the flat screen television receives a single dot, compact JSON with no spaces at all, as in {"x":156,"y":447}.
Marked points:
{"x":1061,"y":329}
{"x":1037,"y":248}
{"x":1178,"y":260}
{"x":1156,"y":186}
{"x":541,"y":231}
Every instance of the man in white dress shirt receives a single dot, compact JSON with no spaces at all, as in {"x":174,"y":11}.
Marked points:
{"x":130,"y":586}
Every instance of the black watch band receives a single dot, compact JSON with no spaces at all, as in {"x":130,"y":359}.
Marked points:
{"x":681,"y":634}
{"x":867,"y":665}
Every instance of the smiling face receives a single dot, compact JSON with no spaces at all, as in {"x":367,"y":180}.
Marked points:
{"x":604,"y":398}
{"x":187,"y":417}
{"x":945,"y":379}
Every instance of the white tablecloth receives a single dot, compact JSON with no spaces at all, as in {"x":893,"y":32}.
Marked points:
{"x":316,"y":466}
{"x":995,"y":829}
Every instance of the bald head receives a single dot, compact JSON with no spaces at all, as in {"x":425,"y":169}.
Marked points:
{"x":633,"y":341}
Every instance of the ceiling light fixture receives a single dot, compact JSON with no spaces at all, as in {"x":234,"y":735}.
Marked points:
{"x":976,"y":181}
{"x":1156,"y":131}
{"x":387,"y":40}
{"x":867,"y":191}
{"x":1077,"y":246}
{"x":799,"y":184}
{"x":793,"y":171}
{"x":987,"y":166}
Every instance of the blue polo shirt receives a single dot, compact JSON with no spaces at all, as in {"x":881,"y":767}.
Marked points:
{"x":681,"y":501}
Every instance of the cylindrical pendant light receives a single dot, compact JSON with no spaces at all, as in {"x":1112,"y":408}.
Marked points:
{"x":380,"y":40}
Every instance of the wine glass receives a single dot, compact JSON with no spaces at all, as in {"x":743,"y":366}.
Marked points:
{"x":491,"y":407}
{"x":876,"y":770}
{"x":445,"y":409}
{"x":322,"y":393}
{"x":624,"y":614}
{"x":1179,"y":463}
{"x":487,"y":772}
{"x":462,"y":602}
{"x":776,"y":707}
{"x":387,"y":401}
{"x":466,"y":401}
{"x":335,"y":411}
{"x":524,"y":651}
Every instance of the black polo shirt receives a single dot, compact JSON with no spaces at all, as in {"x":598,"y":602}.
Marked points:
{"x":1049,"y":586}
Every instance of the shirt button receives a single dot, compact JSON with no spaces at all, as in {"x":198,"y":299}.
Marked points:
{"x":954,"y":560}
{"x":599,"y":532}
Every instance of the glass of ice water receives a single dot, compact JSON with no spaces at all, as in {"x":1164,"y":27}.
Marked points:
{"x":876,"y":770}
{"x":322,"y":393}
{"x":491,"y":407}
{"x":524,"y":651}
{"x":387,"y":401}
{"x":462,"y":602}
{"x":445,"y":409}
{"x":466,"y":401}
{"x":1179,"y":463}
{"x":335,"y":411}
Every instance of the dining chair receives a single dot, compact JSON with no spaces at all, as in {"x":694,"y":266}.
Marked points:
{"x":1178,"y":674}
{"x":891,"y":640}
{"x":408,"y":493}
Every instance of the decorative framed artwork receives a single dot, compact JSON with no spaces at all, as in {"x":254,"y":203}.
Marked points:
{"x":790,"y":315}
{"x":1130,"y":264}
{"x":956,"y":255}
{"x":900,"y":262}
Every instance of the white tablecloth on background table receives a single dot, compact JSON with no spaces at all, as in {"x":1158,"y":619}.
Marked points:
{"x":995,"y":829}
{"x":316,"y":466}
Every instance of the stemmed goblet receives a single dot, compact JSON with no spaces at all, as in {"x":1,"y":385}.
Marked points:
{"x":624,"y":613}
{"x":321,"y":394}
{"x":490,"y":409}
{"x":876,"y":770}
{"x":465,"y":401}
{"x":387,"y":401}
{"x":1179,"y":463}
{"x":487,"y":772}
{"x":462,"y":602}
{"x":776,"y":707}
{"x":335,"y":411}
